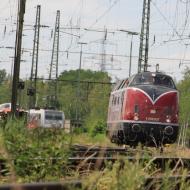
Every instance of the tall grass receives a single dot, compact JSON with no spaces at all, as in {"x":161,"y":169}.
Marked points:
{"x":36,"y":154}
{"x":40,"y":155}
{"x":133,"y":176}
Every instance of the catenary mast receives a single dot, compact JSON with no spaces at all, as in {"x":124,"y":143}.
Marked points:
{"x":34,"y":69}
{"x":144,"y":38}
{"x":53,"y":74}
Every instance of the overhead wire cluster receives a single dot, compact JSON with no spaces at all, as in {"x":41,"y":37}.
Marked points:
{"x":176,"y":18}
{"x":177,"y":31}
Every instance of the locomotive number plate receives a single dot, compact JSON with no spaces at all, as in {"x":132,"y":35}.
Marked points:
{"x":152,"y":119}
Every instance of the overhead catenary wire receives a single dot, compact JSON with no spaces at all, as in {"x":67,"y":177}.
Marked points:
{"x":178,"y":30}
{"x":107,"y":54}
{"x":166,"y":20}
{"x":98,"y":19}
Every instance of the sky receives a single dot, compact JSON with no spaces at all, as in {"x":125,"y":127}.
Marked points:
{"x":169,"y":35}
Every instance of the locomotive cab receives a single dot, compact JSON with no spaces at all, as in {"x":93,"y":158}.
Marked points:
{"x":146,"y":112}
{"x":156,"y":79}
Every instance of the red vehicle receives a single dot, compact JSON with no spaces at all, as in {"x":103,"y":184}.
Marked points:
{"x":5,"y":110}
{"x":144,"y":109}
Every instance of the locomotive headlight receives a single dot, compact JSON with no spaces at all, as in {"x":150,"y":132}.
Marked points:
{"x":129,"y":115}
{"x":168,"y":119}
{"x":136,"y":116}
{"x":169,"y":130}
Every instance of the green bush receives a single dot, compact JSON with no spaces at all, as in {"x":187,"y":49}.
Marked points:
{"x":99,"y":127}
{"x":79,"y":130}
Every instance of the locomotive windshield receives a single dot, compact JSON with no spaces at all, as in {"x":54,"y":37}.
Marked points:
{"x":149,"y":78}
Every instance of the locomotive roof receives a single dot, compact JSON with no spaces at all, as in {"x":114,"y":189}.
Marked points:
{"x":146,"y":78}
{"x":150,"y":73}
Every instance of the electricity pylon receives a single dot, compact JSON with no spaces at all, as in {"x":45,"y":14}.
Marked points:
{"x":144,"y":38}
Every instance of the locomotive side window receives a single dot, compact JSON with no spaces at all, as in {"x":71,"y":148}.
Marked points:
{"x":112,"y":100}
{"x":117,"y":86}
{"x":122,"y":97}
{"x":121,"y":84}
{"x":126,"y":83}
{"x":115,"y":100}
{"x":118,"y":100}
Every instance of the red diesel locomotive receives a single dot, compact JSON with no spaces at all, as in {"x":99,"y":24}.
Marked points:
{"x":144,"y":109}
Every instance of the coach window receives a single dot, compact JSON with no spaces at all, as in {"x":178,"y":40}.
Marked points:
{"x":7,"y":105}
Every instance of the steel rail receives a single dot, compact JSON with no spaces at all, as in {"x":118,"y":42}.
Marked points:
{"x":42,"y":186}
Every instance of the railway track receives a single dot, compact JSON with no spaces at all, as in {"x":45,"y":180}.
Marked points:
{"x":86,"y":159}
{"x":150,"y":183}
{"x":79,"y":150}
{"x":67,"y":185}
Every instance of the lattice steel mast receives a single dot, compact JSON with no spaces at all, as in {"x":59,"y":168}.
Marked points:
{"x":34,"y":69}
{"x":53,"y":74}
{"x":144,"y":37}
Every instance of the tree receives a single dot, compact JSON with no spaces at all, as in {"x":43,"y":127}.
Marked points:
{"x":91,"y":105}
{"x":184,"y":90}
{"x":2,"y":75}
{"x":5,"y":85}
